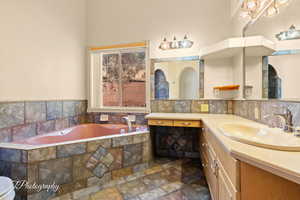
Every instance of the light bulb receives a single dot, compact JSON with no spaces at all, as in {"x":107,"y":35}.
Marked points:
{"x":252,"y":5}
{"x":272,"y":10}
{"x":245,"y":14}
{"x":164,"y":45}
{"x":282,"y":2}
{"x":186,"y":43}
{"x":174,"y":44}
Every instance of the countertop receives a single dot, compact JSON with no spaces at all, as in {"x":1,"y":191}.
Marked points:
{"x":282,"y":163}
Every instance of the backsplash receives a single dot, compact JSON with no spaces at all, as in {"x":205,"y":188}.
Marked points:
{"x":265,"y":110}
{"x":116,"y":118}
{"x":19,"y":120}
{"x":191,"y":106}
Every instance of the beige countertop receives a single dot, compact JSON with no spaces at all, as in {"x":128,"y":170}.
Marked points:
{"x":282,"y":163}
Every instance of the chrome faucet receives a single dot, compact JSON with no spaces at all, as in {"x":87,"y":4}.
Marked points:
{"x":129,"y":124}
{"x":288,"y":120}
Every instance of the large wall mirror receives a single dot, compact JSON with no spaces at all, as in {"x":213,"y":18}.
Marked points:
{"x":275,"y":76}
{"x":177,"y":78}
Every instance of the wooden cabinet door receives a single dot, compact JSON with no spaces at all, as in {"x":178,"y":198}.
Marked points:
{"x":225,"y":191}
{"x":212,"y":174}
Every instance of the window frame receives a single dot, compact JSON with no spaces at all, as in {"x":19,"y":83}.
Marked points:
{"x":95,"y":84}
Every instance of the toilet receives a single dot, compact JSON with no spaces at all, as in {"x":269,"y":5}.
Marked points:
{"x":7,"y":190}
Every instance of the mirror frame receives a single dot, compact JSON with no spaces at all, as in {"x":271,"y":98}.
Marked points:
{"x":153,"y":61}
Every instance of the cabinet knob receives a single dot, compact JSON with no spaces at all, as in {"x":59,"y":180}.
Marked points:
{"x":204,"y":165}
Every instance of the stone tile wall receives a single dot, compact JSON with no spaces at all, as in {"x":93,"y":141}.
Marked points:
{"x":116,"y":118}
{"x":20,"y":120}
{"x":76,"y":166}
{"x":191,"y":106}
{"x":265,"y":111}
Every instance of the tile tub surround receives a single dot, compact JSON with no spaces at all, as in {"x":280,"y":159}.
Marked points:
{"x":164,"y":180}
{"x":191,"y":106}
{"x":20,"y":120}
{"x":78,"y":165}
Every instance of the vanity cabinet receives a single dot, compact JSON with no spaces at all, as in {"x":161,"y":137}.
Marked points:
{"x":175,"y":123}
{"x":220,"y":168}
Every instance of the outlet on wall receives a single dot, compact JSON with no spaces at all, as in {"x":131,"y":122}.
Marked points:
{"x":103,"y":118}
{"x":132,"y":118}
{"x":204,"y":108}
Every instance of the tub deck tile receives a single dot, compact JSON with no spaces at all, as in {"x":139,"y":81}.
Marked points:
{"x":94,"y":145}
{"x":68,"y":150}
{"x":58,"y":171}
{"x":41,"y":154}
{"x":10,"y":155}
{"x":121,"y":141}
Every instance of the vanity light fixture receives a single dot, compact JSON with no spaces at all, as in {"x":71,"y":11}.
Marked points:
{"x":290,"y":34}
{"x":182,"y":44}
{"x":250,"y":8}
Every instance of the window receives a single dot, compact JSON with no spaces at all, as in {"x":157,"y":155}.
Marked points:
{"x":118,"y":80}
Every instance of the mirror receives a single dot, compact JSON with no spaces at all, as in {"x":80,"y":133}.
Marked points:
{"x":177,"y":78}
{"x":275,"y":76}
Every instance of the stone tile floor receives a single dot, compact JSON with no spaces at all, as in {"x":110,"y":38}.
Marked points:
{"x":164,"y":180}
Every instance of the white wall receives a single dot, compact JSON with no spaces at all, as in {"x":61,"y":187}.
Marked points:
{"x":237,"y":70}
{"x":42,"y":53}
{"x":217,"y":72}
{"x":254,"y":76}
{"x":119,"y":21}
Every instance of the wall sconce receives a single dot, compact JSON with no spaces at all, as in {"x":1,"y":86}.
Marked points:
{"x":291,"y":34}
{"x":182,"y":44}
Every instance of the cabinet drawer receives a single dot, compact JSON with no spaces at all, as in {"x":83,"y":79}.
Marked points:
{"x":231,"y":166}
{"x":184,"y":123}
{"x":159,"y":122}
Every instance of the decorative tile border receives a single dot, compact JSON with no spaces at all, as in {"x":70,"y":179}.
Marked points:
{"x":20,"y":120}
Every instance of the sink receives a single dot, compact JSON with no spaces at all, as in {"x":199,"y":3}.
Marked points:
{"x":262,"y":137}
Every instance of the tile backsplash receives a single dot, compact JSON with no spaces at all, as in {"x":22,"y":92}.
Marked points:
{"x":257,"y":110}
{"x":20,"y":120}
{"x":191,"y":106}
{"x":263,"y":110}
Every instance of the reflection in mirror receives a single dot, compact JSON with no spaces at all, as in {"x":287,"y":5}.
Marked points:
{"x":274,"y":76}
{"x":283,"y":72}
{"x":178,"y":78}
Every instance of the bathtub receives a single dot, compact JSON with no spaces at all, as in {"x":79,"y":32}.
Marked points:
{"x":81,"y":156}
{"x":76,"y":133}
